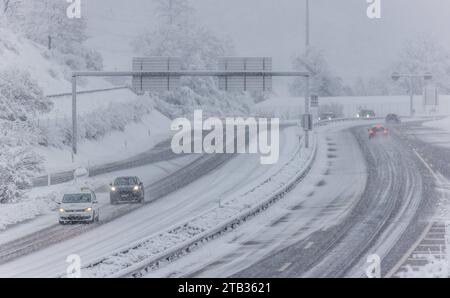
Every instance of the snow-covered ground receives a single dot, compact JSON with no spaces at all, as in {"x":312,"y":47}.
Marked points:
{"x":441,"y":124}
{"x":21,"y":53}
{"x":115,"y":146}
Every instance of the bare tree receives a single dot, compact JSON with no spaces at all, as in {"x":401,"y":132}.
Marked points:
{"x":8,"y":5}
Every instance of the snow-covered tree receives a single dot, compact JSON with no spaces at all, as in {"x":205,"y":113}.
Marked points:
{"x":177,"y":34}
{"x":20,"y":101}
{"x":423,"y":54}
{"x":8,"y":7}
{"x":46,"y":22}
{"x":322,"y":81}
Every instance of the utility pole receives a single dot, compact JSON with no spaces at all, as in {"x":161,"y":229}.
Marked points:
{"x":411,"y":96}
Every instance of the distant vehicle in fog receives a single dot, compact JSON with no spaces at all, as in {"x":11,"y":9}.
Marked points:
{"x":378,"y":130}
{"x":393,"y":119}
{"x":365,"y":114}
{"x":327,"y":116}
{"x":126,"y":190}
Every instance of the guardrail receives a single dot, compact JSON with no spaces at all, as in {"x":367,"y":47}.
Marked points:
{"x":88,"y":91}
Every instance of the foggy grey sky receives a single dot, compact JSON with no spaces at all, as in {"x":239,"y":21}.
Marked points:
{"x":353,"y":44}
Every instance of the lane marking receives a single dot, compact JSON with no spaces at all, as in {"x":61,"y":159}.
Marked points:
{"x":422,"y":237}
{"x":426,"y":165}
{"x":309,"y":245}
{"x":284,"y":267}
{"x":403,"y":260}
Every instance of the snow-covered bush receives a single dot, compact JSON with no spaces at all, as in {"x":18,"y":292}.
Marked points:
{"x":21,"y":97}
{"x":97,"y":124}
{"x":20,"y":101}
{"x":46,"y":22}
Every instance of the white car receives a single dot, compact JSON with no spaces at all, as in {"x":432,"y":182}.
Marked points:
{"x":79,"y":207}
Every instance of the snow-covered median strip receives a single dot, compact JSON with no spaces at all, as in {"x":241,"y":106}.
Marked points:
{"x":149,"y":253}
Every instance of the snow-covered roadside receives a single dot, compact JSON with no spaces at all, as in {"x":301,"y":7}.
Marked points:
{"x":41,"y":203}
{"x":117,"y":145}
{"x":442,"y":124}
{"x":20,"y":53}
{"x":230,"y":209}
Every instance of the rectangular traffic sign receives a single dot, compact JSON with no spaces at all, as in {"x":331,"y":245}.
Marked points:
{"x":142,"y":84}
{"x":314,"y":102}
{"x":307,"y":122}
{"x":244,"y":82}
{"x":431,"y":96}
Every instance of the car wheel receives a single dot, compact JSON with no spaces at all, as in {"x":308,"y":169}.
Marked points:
{"x":63,"y":223}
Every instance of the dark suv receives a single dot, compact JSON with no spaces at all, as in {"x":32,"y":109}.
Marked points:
{"x":393,"y":119}
{"x":127,"y":189}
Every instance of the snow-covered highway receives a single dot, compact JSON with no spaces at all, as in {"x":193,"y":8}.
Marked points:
{"x":188,"y":191}
{"x":362,"y":197}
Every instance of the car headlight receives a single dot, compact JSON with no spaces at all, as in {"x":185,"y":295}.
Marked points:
{"x":61,"y":210}
{"x":88,"y":209}
{"x":368,"y":116}
{"x":357,"y":115}
{"x":113,"y":189}
{"x":136,"y":188}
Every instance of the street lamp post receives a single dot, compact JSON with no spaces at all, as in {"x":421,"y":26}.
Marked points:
{"x":396,"y":76}
{"x":307,"y":25}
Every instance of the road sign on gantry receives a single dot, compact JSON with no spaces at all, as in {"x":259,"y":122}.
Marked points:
{"x":314,"y":101}
{"x":430,"y":96}
{"x":141,"y":84}
{"x":244,"y":82}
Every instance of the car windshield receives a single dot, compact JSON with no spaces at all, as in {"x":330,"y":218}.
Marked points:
{"x":125,"y":181}
{"x":77,"y":198}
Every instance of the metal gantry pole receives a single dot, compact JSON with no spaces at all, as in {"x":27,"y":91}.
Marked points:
{"x":411,"y":96}
{"x":307,"y":25}
{"x":74,"y":115}
{"x":306,"y":110}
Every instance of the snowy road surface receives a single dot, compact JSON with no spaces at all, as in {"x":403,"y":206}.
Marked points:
{"x":42,"y":255}
{"x":332,"y":221}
